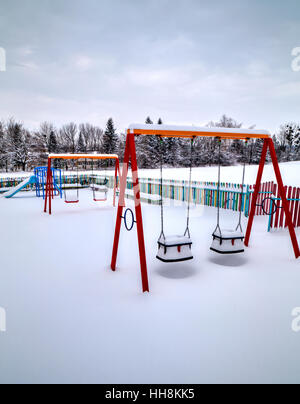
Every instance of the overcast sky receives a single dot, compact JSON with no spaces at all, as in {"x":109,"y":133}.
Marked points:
{"x":186,"y":61}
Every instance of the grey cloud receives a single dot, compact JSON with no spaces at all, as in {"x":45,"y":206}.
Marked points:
{"x":184,"y":60}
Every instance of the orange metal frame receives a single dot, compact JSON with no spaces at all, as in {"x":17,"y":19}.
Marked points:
{"x":130,"y":155}
{"x":49,"y":182}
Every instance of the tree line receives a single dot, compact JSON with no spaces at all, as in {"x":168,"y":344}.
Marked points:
{"x":22,"y":149}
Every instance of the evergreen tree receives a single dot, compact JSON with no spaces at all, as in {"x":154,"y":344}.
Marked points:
{"x":81,"y":147}
{"x":4,"y":157}
{"x":53,"y":147}
{"x":148,"y":149}
{"x":110,"y":138}
{"x":159,"y":146}
{"x":257,"y":150}
{"x":289,"y":140}
{"x":152,"y":148}
{"x":297,"y":142}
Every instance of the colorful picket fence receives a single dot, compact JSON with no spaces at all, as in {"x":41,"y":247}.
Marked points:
{"x":7,"y":183}
{"x":269,"y":203}
{"x":202,"y":193}
{"x":278,"y":218}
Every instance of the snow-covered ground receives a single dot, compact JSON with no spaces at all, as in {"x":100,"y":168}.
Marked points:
{"x":290,"y":173}
{"x":71,"y":319}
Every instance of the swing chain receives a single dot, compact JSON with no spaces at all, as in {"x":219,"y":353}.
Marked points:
{"x":239,"y":226}
{"x":162,"y":234}
{"x":219,"y":186}
{"x":187,"y":231}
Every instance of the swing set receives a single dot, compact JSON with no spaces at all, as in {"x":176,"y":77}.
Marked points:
{"x":178,"y":248}
{"x":99,"y":191}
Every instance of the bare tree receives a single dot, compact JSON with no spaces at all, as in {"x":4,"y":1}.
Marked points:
{"x":68,"y":137}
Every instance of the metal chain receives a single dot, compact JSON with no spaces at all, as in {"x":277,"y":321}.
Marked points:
{"x":187,"y":232}
{"x":219,"y":185}
{"x":242,"y":194}
{"x":161,"y":190}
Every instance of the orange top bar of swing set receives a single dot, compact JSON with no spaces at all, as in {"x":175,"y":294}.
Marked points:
{"x":84,"y":156}
{"x":193,"y":131}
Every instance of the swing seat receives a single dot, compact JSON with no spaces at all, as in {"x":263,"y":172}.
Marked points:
{"x":100,"y":192}
{"x":72,"y":198}
{"x":174,"y":249}
{"x":228,"y":242}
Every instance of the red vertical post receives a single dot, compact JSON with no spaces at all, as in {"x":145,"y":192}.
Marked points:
{"x":130,"y":152}
{"x":48,"y":195}
{"x":138,"y":212}
{"x":285,"y":203}
{"x":121,"y":205}
{"x":256,"y":191}
{"x":116,"y":181}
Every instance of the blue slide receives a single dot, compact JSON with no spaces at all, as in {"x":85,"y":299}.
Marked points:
{"x":27,"y":181}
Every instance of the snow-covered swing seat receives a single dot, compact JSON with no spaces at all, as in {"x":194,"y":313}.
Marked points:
{"x":228,"y":241}
{"x":72,"y":195}
{"x":175,"y":248}
{"x":100,"y":191}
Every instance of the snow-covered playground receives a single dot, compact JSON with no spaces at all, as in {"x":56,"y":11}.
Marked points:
{"x":71,"y":319}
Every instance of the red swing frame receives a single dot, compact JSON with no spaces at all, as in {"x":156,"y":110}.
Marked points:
{"x":192,"y":132}
{"x":49,"y":183}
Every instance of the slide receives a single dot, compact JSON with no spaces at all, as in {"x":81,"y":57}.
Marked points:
{"x":12,"y":192}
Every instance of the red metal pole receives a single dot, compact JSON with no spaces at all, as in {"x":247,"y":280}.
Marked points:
{"x":285,"y":203}
{"x":256,"y":191}
{"x":115,"y":184}
{"x":120,"y":206}
{"x":117,"y":172}
{"x":138,"y":212}
{"x":50,"y":187}
{"x":48,"y":192}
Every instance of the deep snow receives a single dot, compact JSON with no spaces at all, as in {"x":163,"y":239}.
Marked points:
{"x":70,"y":319}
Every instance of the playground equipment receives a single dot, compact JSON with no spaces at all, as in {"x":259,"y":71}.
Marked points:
{"x":175,"y":248}
{"x":228,"y":241}
{"x":41,"y":179}
{"x":75,"y":198}
{"x":27,"y":181}
{"x":190,"y":133}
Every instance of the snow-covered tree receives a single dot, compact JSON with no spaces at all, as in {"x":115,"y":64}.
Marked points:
{"x":110,"y":138}
{"x":19,"y":145}
{"x":81,"y":148}
{"x":68,"y":138}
